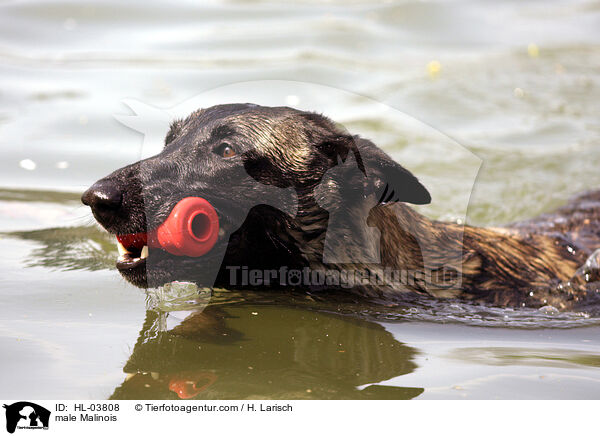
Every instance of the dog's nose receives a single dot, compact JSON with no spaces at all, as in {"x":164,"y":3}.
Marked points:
{"x":104,"y":195}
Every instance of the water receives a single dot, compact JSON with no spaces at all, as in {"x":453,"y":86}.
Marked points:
{"x":517,"y":86}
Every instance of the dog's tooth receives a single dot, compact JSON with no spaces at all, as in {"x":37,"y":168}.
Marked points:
{"x":122,"y":250}
{"x":154,"y":375}
{"x":144,"y":253}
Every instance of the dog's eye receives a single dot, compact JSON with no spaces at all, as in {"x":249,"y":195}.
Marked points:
{"x":225,"y":150}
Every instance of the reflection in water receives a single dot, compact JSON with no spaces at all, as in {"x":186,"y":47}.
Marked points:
{"x":70,"y":248}
{"x":25,"y":195}
{"x":545,"y":357}
{"x":293,"y":345}
{"x":237,"y":351}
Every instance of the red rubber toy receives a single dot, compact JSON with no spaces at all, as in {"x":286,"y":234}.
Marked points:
{"x":191,"y":229}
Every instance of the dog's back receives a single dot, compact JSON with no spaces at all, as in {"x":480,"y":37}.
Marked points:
{"x":578,"y":222}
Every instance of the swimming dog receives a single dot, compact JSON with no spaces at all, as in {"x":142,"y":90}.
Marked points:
{"x":308,"y":169}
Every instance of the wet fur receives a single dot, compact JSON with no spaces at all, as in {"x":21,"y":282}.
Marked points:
{"x":522,"y":264}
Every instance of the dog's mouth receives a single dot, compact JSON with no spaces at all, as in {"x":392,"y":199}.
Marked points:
{"x":191,"y":229}
{"x":133,"y":250}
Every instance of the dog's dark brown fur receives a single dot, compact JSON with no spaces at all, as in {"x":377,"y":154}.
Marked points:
{"x":522,"y":264}
{"x":525,"y":264}
{"x":502,"y":267}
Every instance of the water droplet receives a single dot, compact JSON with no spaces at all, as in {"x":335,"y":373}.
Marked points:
{"x":549,"y":310}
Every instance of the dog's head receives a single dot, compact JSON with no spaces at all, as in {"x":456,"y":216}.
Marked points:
{"x":240,"y":157}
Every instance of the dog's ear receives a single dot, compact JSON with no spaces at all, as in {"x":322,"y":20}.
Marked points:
{"x":381,"y":176}
{"x":388,"y":180}
{"x":330,"y":139}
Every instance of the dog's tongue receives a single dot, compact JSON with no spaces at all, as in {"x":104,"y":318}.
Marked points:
{"x":134,"y":240}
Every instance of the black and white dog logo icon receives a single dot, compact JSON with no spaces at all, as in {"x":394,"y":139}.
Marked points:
{"x":26,"y":415}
